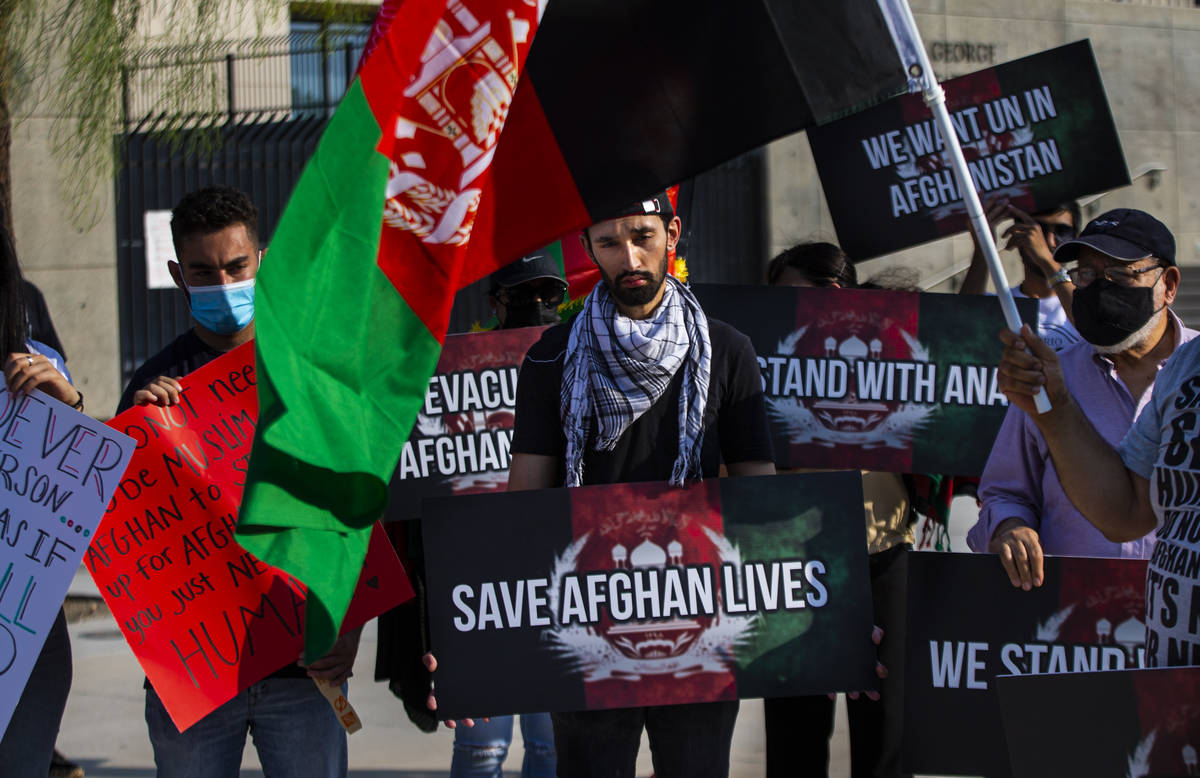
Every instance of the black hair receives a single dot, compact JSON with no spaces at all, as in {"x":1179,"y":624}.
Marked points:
{"x":1071,"y":207}
{"x":823,"y":264}
{"x":13,"y":326}
{"x":210,"y":210}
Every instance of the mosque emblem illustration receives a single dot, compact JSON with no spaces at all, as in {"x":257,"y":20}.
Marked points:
{"x":657,"y":639}
{"x":854,"y":338}
{"x":678,"y":647}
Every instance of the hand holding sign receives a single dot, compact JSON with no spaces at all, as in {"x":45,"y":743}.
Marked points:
{"x":58,"y":469}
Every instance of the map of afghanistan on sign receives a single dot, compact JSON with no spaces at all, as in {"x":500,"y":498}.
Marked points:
{"x":894,"y":381}
{"x":460,"y":442}
{"x":58,"y":470}
{"x":1037,"y":130}
{"x":1112,"y":724}
{"x":968,"y":624}
{"x":644,"y":594}
{"x":204,"y":617}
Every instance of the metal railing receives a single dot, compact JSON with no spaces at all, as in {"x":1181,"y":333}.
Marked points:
{"x":270,"y":79}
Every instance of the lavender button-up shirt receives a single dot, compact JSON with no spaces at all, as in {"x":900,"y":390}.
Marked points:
{"x":1020,"y":480}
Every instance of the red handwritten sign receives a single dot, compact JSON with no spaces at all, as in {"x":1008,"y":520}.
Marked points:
{"x":205,"y":618}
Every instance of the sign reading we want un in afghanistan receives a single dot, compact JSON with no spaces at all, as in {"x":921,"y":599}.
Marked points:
{"x":646,"y":594}
{"x":1037,"y":130}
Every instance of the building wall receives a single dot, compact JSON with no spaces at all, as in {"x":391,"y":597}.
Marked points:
{"x":74,"y":264}
{"x":1149,"y":58}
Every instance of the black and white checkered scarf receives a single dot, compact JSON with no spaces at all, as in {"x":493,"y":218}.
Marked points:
{"x":617,"y":367}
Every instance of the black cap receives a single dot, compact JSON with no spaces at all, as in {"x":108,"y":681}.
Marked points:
{"x":659,"y":203}
{"x":528,"y":268}
{"x":1126,"y":234}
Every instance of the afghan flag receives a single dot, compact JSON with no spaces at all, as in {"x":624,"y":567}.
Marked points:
{"x":414,"y":191}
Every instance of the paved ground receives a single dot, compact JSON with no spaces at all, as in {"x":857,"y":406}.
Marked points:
{"x":104,"y":729}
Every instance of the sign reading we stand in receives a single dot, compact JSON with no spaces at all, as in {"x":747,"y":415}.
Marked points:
{"x":205,"y":618}
{"x":58,"y":469}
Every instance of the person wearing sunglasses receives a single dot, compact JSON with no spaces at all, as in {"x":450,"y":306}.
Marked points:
{"x":527,"y":292}
{"x":1034,"y":237}
{"x":1124,"y":281}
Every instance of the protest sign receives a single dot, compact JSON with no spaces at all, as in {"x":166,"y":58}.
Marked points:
{"x":968,"y":624}
{"x":1114,"y":724}
{"x":204,"y":617}
{"x":58,"y":469}
{"x":895,"y":381}
{"x":645,"y":594}
{"x":1037,"y":130}
{"x":460,"y":442}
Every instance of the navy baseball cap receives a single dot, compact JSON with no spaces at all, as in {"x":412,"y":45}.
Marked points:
{"x":1126,"y":234}
{"x":528,"y":268}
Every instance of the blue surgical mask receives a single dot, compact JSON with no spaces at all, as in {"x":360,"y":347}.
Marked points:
{"x":225,"y":308}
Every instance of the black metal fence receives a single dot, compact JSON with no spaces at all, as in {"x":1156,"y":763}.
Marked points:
{"x":263,"y":159}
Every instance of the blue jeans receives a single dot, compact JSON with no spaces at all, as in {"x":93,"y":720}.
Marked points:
{"x":479,"y":751}
{"x":295,"y":731}
{"x":28,"y":742}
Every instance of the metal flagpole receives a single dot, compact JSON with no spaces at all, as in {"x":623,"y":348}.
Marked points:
{"x":903,"y":28}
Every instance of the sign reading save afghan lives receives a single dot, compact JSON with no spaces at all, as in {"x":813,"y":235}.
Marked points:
{"x":204,"y":617}
{"x":877,"y":380}
{"x":968,"y":624}
{"x":58,"y":469}
{"x":1103,"y":725}
{"x":645,"y":594}
{"x":1037,"y":130}
{"x":461,"y":440}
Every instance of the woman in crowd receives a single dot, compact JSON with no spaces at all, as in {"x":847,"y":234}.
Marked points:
{"x":799,"y":728}
{"x":28,"y":743}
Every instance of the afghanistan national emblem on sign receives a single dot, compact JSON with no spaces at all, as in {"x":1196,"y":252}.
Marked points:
{"x":657,"y":549}
{"x":461,"y":95}
{"x":870,"y":410}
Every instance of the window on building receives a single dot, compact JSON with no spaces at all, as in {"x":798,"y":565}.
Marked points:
{"x":325,"y":47}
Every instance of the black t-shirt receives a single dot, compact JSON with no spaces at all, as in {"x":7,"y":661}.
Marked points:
{"x":181,"y":356}
{"x":735,"y":420}
{"x":184,"y":355}
{"x":37,"y":319}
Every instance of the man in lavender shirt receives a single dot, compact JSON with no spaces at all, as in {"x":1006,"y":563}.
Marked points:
{"x":1125,"y":278}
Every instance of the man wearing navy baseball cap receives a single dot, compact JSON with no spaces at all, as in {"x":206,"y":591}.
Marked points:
{"x":1125,"y":278}
{"x":1111,"y":484}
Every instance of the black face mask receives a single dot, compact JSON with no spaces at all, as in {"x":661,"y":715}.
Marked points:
{"x":529,"y":314}
{"x":1106,"y":313}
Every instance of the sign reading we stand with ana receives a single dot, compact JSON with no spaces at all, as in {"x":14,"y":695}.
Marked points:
{"x":206,"y":618}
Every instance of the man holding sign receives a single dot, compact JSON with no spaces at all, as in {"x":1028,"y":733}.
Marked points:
{"x":1111,"y":486}
{"x":1126,"y":279}
{"x":296,"y":732}
{"x":640,"y":386}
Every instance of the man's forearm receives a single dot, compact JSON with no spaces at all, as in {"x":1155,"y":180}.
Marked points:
{"x":1092,"y":473}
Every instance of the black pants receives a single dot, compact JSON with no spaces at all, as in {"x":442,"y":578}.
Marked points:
{"x":686,"y":741}
{"x":799,"y":728}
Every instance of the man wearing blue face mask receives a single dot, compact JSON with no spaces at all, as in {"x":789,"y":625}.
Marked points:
{"x":296,"y":733}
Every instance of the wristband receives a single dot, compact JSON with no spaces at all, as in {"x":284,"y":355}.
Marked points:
{"x":1060,"y":277}
{"x":78,"y":403}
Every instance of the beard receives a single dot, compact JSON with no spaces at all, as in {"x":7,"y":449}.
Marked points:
{"x":1138,"y":338}
{"x":638,"y":295}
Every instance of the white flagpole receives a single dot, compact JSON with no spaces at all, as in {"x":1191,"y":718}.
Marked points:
{"x":911,"y":50}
